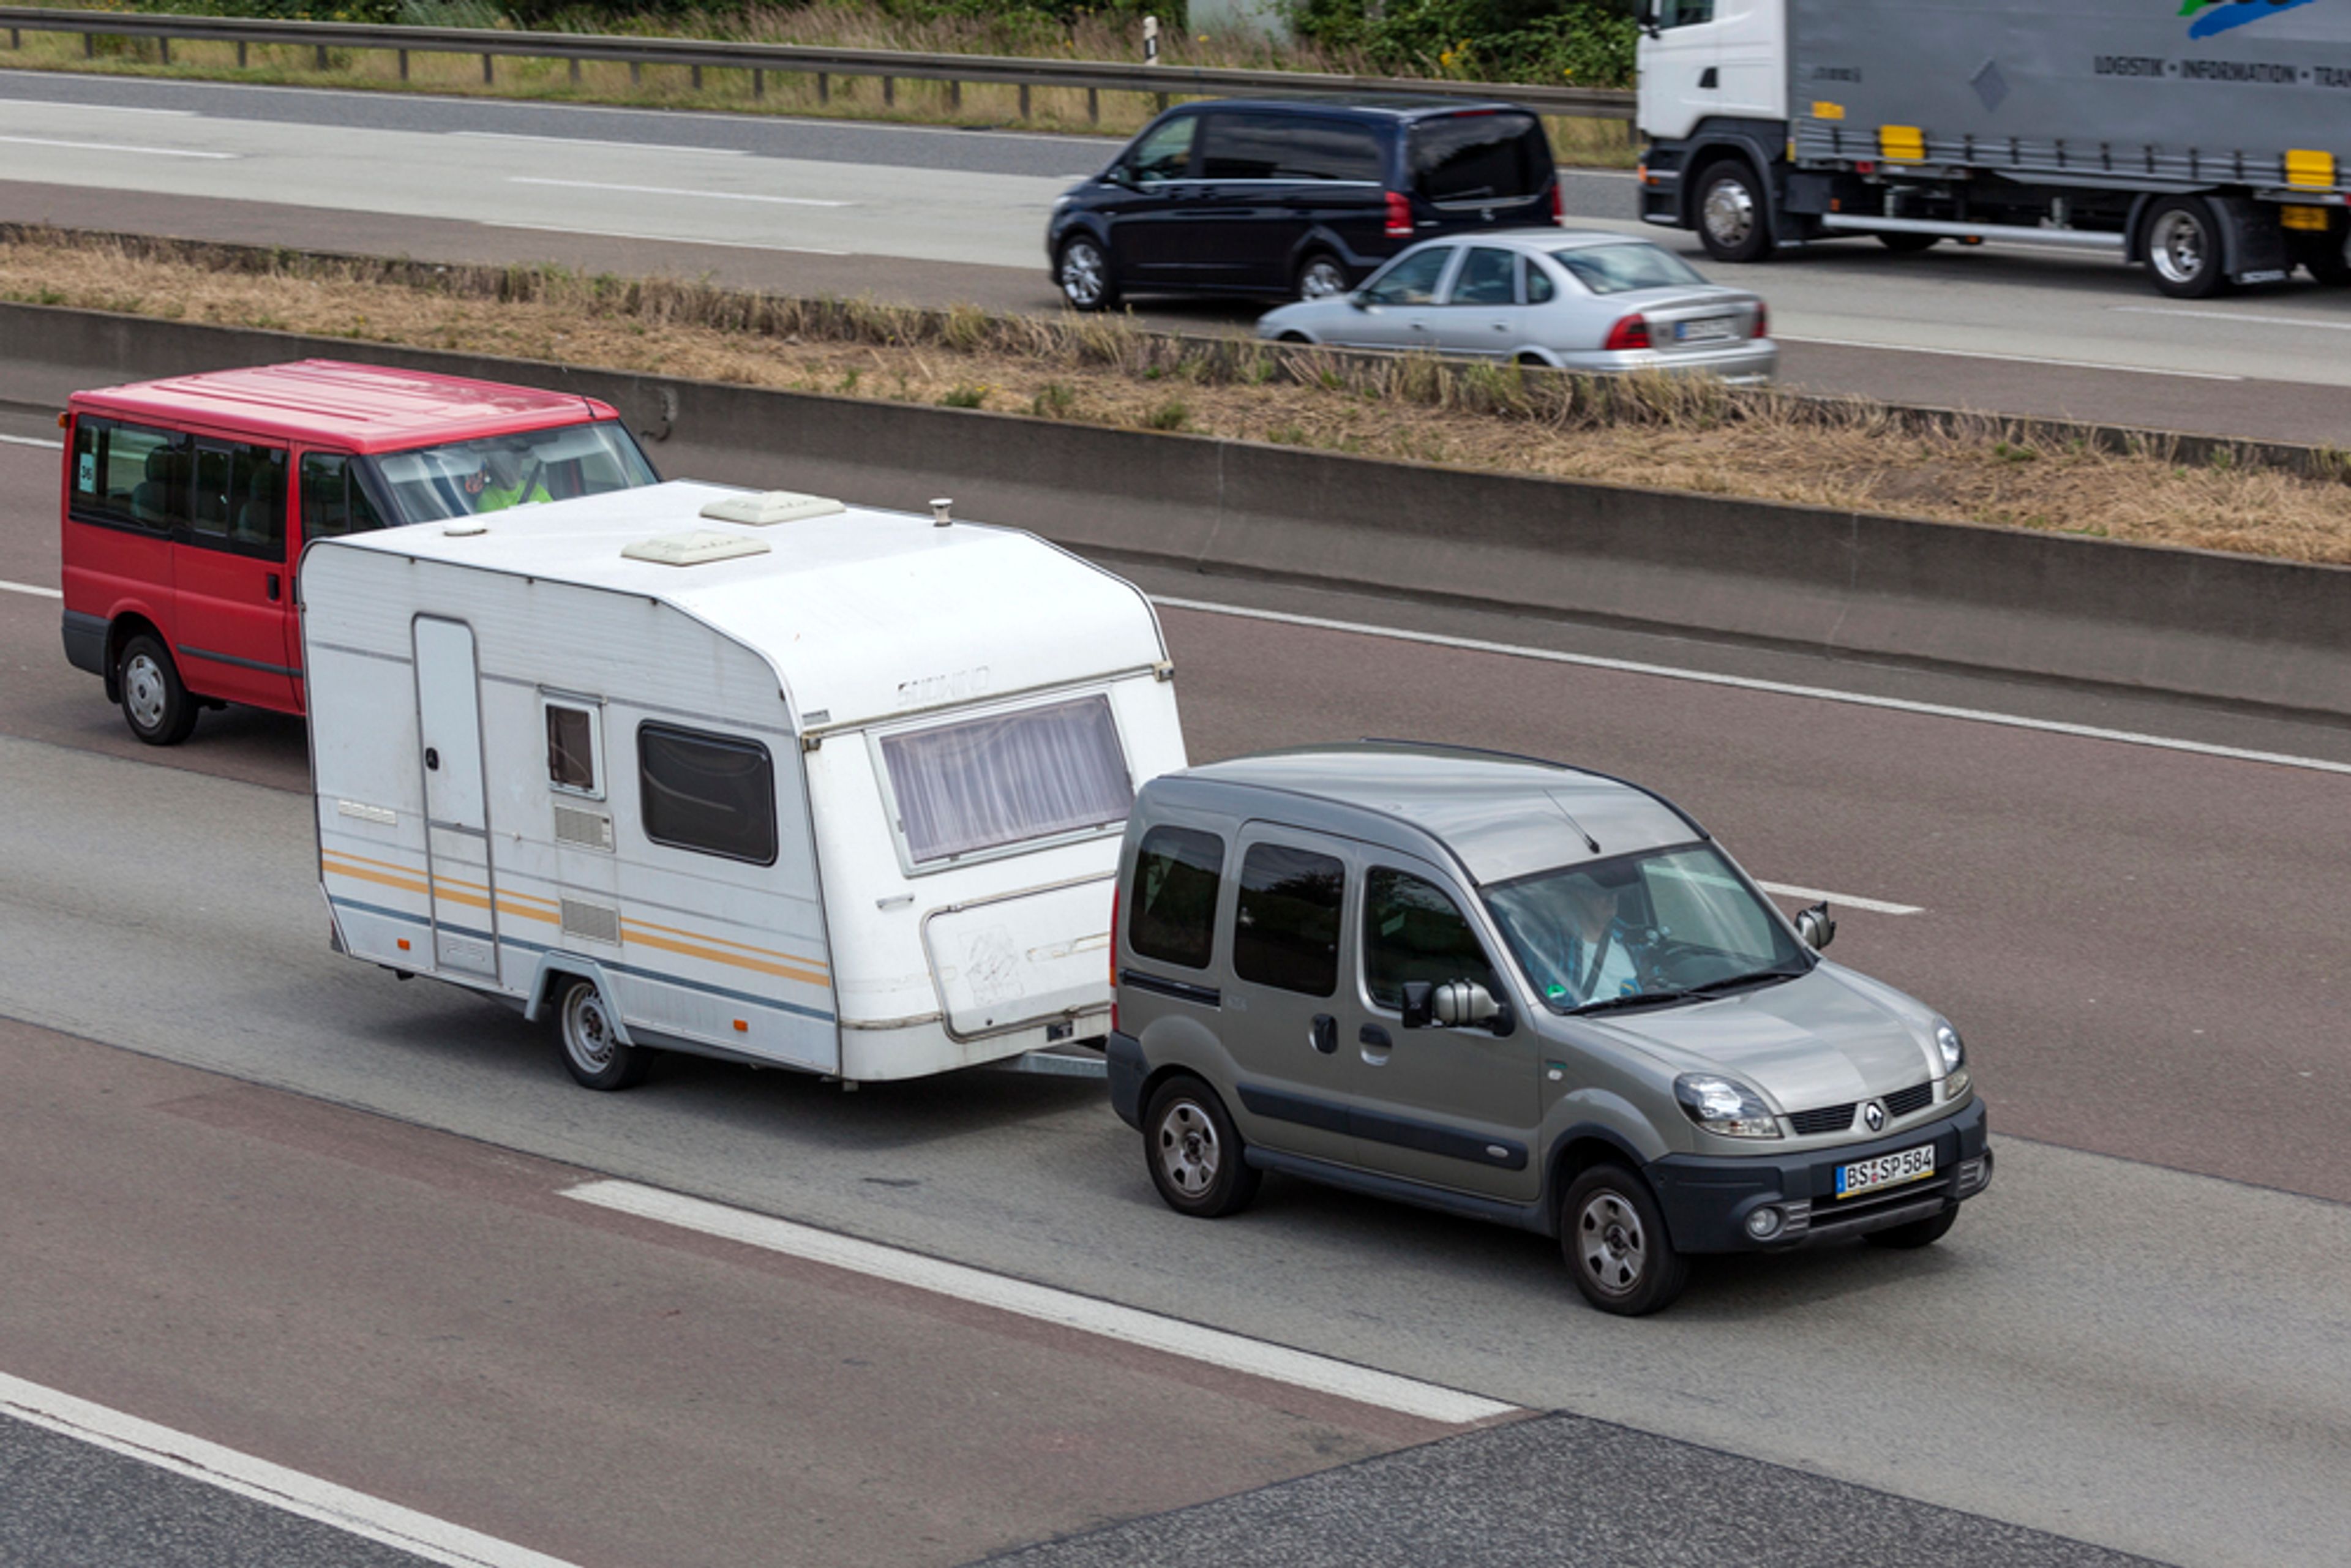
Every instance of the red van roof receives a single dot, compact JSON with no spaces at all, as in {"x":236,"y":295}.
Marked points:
{"x":363,"y":408}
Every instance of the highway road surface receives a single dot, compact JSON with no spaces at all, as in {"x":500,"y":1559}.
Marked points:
{"x":940,"y":216}
{"x":367,"y":1241}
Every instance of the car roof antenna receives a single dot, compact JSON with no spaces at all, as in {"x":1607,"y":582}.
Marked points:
{"x":1557,"y":806}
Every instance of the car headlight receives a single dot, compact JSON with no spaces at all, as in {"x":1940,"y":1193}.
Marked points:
{"x":1955,"y":1058}
{"x":1725,"y":1106}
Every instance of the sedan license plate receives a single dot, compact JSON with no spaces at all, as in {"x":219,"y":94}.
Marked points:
{"x":1706,"y":329}
{"x":1885,"y":1170}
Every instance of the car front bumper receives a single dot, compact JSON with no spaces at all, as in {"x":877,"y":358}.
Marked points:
{"x":1707,"y":1199}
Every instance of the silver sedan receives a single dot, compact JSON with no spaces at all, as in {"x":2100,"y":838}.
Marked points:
{"x":1577,"y":300}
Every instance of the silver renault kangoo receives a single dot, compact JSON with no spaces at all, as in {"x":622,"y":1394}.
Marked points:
{"x":1519,"y":991}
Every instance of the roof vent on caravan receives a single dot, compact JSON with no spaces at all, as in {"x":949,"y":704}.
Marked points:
{"x":696,"y":548}
{"x":771,"y":507}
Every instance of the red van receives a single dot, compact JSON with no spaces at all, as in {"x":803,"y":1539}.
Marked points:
{"x":186,"y":503}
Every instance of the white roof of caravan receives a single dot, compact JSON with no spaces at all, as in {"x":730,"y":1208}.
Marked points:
{"x":863,"y":612}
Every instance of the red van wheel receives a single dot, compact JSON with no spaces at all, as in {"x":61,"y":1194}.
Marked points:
{"x":154,"y":704}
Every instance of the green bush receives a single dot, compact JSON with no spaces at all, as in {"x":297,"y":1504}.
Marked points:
{"x":1580,"y":42}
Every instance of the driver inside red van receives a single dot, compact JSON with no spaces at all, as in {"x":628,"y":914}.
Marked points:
{"x":509,"y":477}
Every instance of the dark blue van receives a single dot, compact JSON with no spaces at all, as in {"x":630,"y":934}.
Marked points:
{"x":1274,"y":199}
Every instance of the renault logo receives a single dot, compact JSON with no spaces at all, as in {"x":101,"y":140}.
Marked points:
{"x":1874,"y":1114}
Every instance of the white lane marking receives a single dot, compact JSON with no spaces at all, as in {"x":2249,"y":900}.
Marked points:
{"x":1842,"y":900}
{"x":33,"y":441}
{"x":352,"y":1512}
{"x":664,"y":239}
{"x":113,"y":147}
{"x":1750,"y":683}
{"x":109,"y":108}
{"x":591,"y":141}
{"x":672,"y":190}
{"x":2229,"y":316}
{"x":38,"y":592}
{"x":1128,"y":1325}
{"x":2007,"y":359}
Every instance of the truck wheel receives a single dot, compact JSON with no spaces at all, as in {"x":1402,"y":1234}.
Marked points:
{"x":1615,"y":1238}
{"x":1194,"y":1151}
{"x":2328,"y":257}
{"x":154,"y":704}
{"x":1082,"y":269}
{"x":1917,"y":1233}
{"x":1906,"y":244}
{"x":2184,"y":249}
{"x":1733,"y":220}
{"x":591,"y":1050}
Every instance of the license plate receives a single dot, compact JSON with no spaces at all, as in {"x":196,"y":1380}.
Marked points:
{"x":1704,"y":329}
{"x":1885,"y":1170}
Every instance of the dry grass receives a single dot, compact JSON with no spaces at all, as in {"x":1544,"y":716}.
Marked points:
{"x":1693,"y":436}
{"x":1595,"y":142}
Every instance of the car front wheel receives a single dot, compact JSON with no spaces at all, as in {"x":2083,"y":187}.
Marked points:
{"x":1615,"y":1238}
{"x":155,"y":703}
{"x":1083,"y":273}
{"x":1734,"y":222}
{"x":1195,"y":1153}
{"x":1319,"y":278}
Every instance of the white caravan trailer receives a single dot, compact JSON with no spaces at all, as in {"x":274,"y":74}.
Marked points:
{"x":756,"y":776}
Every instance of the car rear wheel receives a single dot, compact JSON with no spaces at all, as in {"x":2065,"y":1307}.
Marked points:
{"x":1615,"y":1238}
{"x":1320,"y":277}
{"x":592,"y":1050}
{"x":155,"y":703}
{"x":1917,"y":1233}
{"x":1083,"y":272}
{"x":2183,"y":248}
{"x":1194,"y":1152}
{"x":1734,"y":222}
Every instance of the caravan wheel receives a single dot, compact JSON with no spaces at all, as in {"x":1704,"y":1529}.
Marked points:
{"x":592,"y":1049}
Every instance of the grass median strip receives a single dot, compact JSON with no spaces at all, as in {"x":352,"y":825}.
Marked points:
{"x":1690,"y":435}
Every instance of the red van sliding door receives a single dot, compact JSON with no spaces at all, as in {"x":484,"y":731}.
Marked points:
{"x":235,"y":591}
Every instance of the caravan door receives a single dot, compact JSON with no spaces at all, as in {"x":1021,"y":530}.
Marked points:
{"x":456,"y":813}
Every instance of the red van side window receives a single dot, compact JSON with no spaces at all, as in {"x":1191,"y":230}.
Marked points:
{"x":334,"y":502}
{"x":131,"y":476}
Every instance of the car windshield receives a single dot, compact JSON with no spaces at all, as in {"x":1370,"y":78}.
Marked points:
{"x":1617,"y":268}
{"x":465,"y":477}
{"x":1662,"y":925}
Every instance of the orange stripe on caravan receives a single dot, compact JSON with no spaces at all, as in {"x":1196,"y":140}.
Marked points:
{"x":728,"y":942}
{"x":708,"y":955}
{"x":410,"y":883}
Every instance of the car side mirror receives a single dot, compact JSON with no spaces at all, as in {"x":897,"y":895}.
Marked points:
{"x":1816,"y":926}
{"x":1465,"y":1004}
{"x":1358,"y":301}
{"x":1647,"y":19}
{"x":1419,"y":1004}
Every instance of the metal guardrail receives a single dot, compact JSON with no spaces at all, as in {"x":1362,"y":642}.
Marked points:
{"x":1160,"y":81}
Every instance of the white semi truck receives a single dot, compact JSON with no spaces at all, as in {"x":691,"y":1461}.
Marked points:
{"x":2208,"y":139}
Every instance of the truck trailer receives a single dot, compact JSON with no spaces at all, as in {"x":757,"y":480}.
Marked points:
{"x":2208,"y":139}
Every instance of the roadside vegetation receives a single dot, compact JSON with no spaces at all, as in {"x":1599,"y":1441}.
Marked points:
{"x":1586,"y":44}
{"x":1691,"y":435}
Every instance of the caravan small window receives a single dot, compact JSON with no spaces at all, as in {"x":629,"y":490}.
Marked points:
{"x":988,"y":782}
{"x":572,"y":748}
{"x":707,"y":793}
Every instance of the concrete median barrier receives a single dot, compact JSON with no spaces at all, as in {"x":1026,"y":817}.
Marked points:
{"x":2191,"y":623}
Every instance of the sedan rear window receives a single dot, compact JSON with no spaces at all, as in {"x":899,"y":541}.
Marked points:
{"x":1619,"y":269}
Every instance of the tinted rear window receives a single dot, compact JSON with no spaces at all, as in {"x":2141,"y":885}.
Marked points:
{"x":1479,"y":157}
{"x":1173,"y":899}
{"x":1285,"y":925}
{"x":1286,"y":147}
{"x":132,"y":473}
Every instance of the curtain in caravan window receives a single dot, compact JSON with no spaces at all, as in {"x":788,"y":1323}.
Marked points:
{"x":988,"y":782}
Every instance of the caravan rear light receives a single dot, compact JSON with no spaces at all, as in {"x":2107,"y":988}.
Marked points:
{"x":1399,"y":216}
{"x":1559,"y":203}
{"x":1632,"y":332}
{"x":1112,"y":950}
{"x":1762,"y":320}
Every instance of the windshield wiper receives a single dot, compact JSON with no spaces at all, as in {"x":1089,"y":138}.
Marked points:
{"x":1637,"y":998}
{"x":1757,"y":977}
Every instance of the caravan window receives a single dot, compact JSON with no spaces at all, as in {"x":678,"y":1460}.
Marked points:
{"x":988,"y":782}
{"x":572,"y":748}
{"x":709,"y":793}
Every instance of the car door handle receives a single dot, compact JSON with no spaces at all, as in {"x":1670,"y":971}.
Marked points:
{"x":431,"y":760}
{"x":272,"y":587}
{"x":1373,"y":1034}
{"x":1499,"y":326}
{"x":1322,"y":1034}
